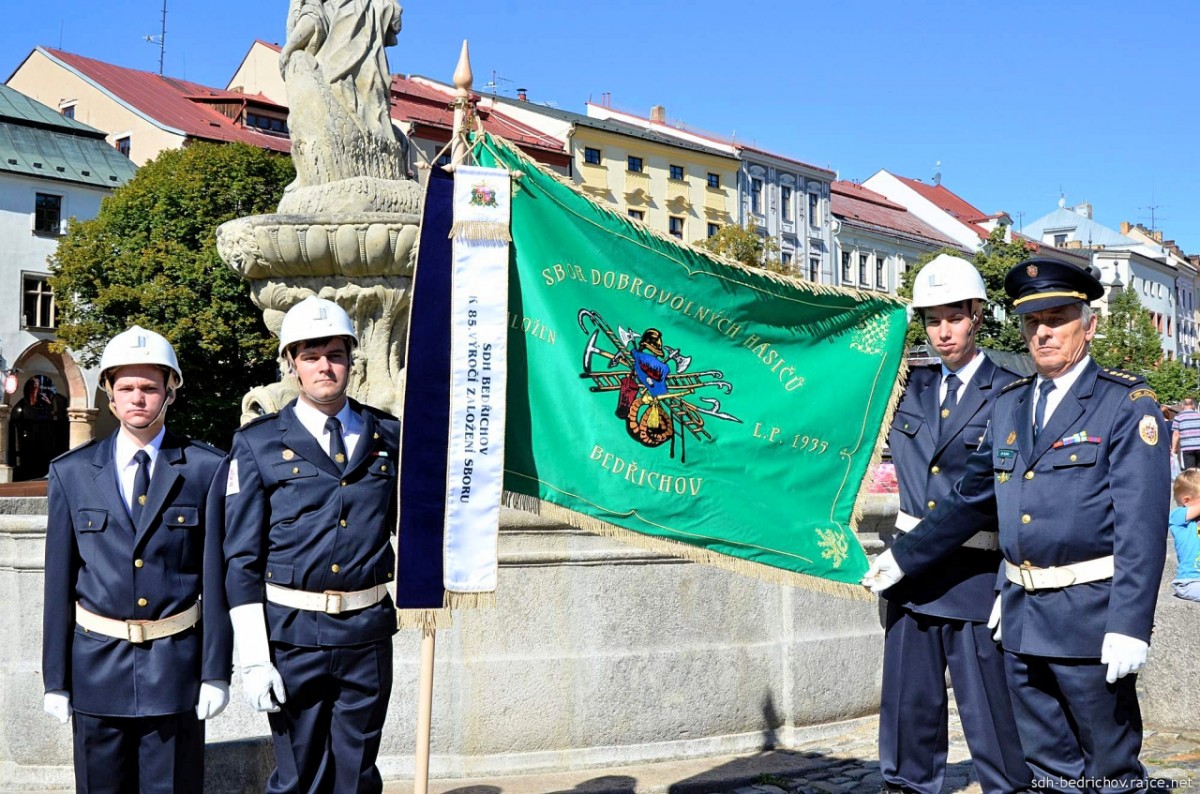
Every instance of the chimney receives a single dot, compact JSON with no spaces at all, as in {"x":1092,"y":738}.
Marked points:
{"x":1125,"y":227}
{"x":658,"y":114}
{"x":1084,"y":209}
{"x":522,"y":96}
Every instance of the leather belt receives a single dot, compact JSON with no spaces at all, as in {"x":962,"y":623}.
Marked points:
{"x":138,"y":631}
{"x":331,"y":602}
{"x":987,"y":540}
{"x":1058,"y":576}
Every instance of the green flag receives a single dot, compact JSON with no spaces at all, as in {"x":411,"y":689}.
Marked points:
{"x":682,"y":403}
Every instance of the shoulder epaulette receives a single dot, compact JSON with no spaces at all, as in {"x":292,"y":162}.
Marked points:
{"x":257,"y":421}
{"x":1121,"y":376}
{"x":77,"y":449}
{"x":1025,"y":381}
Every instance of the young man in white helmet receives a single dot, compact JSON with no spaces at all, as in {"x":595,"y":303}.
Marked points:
{"x":130,"y":649}
{"x":940,"y":619}
{"x":310,"y":508}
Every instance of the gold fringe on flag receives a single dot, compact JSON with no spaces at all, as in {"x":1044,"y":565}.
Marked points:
{"x":763,"y":573}
{"x":424,"y":619}
{"x":480,"y":230}
{"x":470,"y":600}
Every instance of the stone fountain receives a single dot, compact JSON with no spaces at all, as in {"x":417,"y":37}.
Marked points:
{"x":346,"y":228}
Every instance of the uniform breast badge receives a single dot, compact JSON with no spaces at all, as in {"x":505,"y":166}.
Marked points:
{"x":1148,"y":430}
{"x":1003,"y":477}
{"x":1012,"y":437}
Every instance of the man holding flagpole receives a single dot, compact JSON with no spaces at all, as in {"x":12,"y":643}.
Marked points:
{"x":310,"y":508}
{"x":939,"y":620}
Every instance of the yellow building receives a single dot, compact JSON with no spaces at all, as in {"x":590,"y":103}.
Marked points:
{"x":675,"y":186}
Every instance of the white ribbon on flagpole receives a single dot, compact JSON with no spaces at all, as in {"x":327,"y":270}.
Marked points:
{"x":479,"y":322}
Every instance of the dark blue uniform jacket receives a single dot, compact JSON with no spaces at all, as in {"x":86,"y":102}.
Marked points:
{"x":293,"y":520}
{"x":94,"y":555}
{"x":1060,"y":501}
{"x":929,"y":459}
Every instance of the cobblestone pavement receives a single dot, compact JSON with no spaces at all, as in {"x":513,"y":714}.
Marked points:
{"x":845,"y":763}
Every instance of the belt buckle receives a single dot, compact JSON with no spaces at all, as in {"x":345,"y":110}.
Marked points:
{"x":136,"y":631}
{"x":333,"y":602}
{"x":1027,"y":577}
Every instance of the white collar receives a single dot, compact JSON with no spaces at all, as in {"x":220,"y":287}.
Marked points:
{"x":126,"y":448}
{"x":1064,"y":382}
{"x":966,"y":371}
{"x":314,"y":420}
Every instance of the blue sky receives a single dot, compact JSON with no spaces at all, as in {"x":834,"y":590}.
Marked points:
{"x":1018,"y":101}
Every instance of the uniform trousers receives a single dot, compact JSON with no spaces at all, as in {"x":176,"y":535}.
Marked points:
{"x":132,"y":755}
{"x":327,"y":734}
{"x":1075,"y":726}
{"x":913,"y":709}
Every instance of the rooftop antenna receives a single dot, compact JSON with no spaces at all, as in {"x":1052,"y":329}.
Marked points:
{"x":494,"y":84}
{"x":1153,"y":208}
{"x":937,"y":174}
{"x":1020,"y":220}
{"x":160,"y":39}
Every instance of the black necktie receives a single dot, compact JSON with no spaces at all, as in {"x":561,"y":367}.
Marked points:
{"x":951,"y":398}
{"x":337,"y":445}
{"x":1039,"y":408}
{"x":141,"y":486}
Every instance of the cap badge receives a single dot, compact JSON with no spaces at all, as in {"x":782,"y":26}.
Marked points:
{"x":1031,"y":271}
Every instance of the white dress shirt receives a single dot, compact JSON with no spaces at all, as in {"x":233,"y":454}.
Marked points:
{"x":314,"y":422}
{"x":123,"y":452}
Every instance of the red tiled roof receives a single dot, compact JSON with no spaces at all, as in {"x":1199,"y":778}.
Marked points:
{"x":422,"y":104}
{"x":856,"y":203}
{"x":951,"y":203}
{"x":174,"y":103}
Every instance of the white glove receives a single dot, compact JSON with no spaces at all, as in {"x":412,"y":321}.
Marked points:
{"x":261,"y":681}
{"x":884,"y":573}
{"x":994,"y":621}
{"x":214,"y":697}
{"x":1123,"y":655}
{"x":57,"y":704}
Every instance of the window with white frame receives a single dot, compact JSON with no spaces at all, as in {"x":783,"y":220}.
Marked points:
{"x":675,"y":226}
{"x":846,"y":267}
{"x":862,"y":269}
{"x":785,"y":203}
{"x":880,"y":273}
{"x":814,"y":268}
{"x":37,"y":302}
{"x":814,"y":209}
{"x":756,"y":189}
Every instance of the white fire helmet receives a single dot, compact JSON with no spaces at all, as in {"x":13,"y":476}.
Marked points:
{"x":315,"y":318}
{"x":947,"y":280}
{"x":139,"y":346}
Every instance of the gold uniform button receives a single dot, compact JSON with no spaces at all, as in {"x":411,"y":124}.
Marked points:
{"x":932,"y":504}
{"x":389,"y":574}
{"x":343,"y":483}
{"x":295,"y":470}
{"x":935,"y":470}
{"x":142,"y":602}
{"x":180,"y":519}
{"x":138,"y":563}
{"x":383,"y":468}
{"x":1025,"y":519}
{"x":1074,"y":458}
{"x":336,"y":568}
{"x":269,"y":574}
{"x":342,"y":522}
{"x":1029,"y":475}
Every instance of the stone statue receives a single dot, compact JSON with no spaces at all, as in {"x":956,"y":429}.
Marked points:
{"x":339,"y":88}
{"x":347,"y":227}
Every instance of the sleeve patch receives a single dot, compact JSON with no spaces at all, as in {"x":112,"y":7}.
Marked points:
{"x":1148,"y":430}
{"x":231,"y":482}
{"x":1137,"y":394}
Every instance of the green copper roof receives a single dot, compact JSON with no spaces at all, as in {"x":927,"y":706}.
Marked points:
{"x":35,"y":141}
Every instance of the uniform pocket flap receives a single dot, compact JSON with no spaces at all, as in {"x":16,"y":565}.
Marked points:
{"x":92,"y":520}
{"x":1075,"y":455}
{"x":279,"y":574}
{"x":181,"y":516}
{"x":972,"y":435}
{"x":294,"y":470}
{"x":1004,"y":459}
{"x":382,"y":467}
{"x":907,"y":423}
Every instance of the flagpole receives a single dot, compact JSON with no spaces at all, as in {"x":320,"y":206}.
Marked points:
{"x":462,"y":105}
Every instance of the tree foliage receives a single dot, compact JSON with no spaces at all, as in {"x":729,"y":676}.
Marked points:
{"x":1172,"y":381}
{"x":745,"y":245}
{"x":1126,"y":337}
{"x":1000,"y":330}
{"x":149,"y":257}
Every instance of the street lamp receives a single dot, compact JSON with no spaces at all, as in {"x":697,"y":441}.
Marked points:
{"x":8,"y":376}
